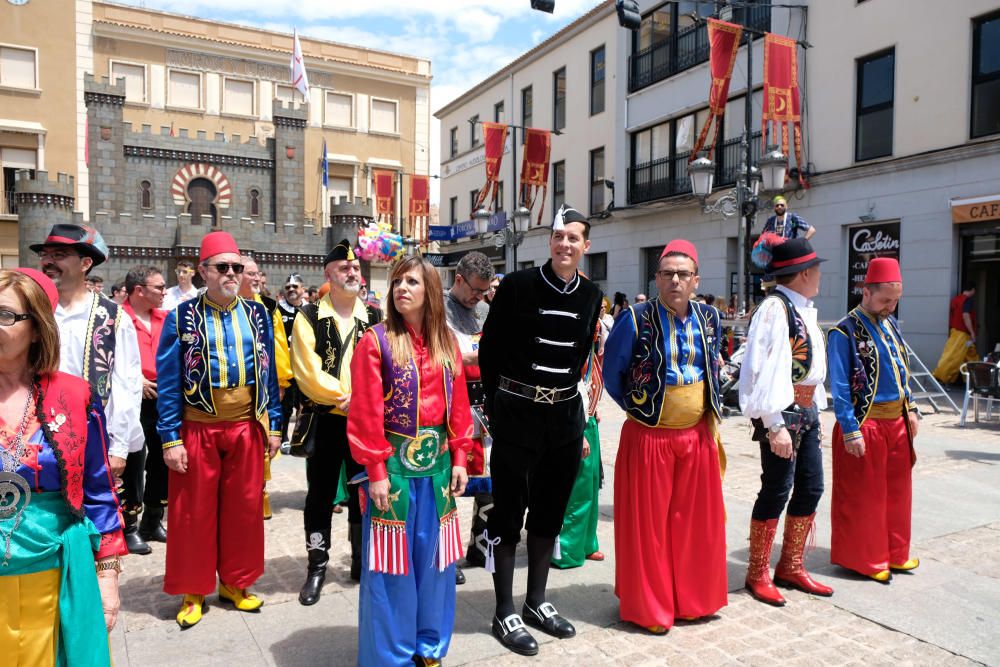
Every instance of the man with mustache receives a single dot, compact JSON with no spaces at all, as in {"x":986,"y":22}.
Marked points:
{"x":97,"y":342}
{"x":219,"y":409}
{"x":873,"y":439}
{"x":323,"y":339}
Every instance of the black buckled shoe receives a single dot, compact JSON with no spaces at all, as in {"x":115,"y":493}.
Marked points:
{"x":459,"y":576}
{"x":512,"y":634}
{"x":548,"y":620}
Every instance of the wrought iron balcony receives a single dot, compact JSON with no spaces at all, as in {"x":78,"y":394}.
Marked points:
{"x":668,"y":177}
{"x":686,"y":48}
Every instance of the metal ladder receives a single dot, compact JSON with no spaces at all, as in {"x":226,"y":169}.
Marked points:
{"x":927,"y":387}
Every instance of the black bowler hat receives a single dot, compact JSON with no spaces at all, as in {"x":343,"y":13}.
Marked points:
{"x":792,"y":256}
{"x":85,"y":240}
{"x":342,"y":250}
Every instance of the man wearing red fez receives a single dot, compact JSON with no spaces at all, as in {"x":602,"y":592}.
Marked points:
{"x":661,"y":366}
{"x":873,"y":439}
{"x":218,"y":410}
{"x":781,"y":390}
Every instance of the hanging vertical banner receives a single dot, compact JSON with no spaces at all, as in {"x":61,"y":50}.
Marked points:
{"x":420,"y":195}
{"x":494,"y":139}
{"x":724,"y":42}
{"x":535,"y":167}
{"x":383,"y":193}
{"x":781,"y":95}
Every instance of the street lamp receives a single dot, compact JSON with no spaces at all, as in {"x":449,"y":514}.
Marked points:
{"x":512,"y":234}
{"x":482,"y":218}
{"x":773,"y":165}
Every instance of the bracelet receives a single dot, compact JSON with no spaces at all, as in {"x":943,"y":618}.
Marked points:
{"x":113,"y":564}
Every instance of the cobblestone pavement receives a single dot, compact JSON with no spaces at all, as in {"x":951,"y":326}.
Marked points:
{"x":943,"y":614}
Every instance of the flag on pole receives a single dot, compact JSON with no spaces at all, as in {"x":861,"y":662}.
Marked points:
{"x":326,"y":185}
{"x":781,"y":96}
{"x":299,"y":79}
{"x":724,"y":42}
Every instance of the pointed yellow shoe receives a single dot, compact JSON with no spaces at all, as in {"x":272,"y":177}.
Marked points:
{"x":427,"y":662}
{"x":882,"y":577}
{"x":656,"y":629}
{"x":240,"y":597}
{"x":191,"y":610}
{"x":911,"y":564}
{"x":267,"y":506}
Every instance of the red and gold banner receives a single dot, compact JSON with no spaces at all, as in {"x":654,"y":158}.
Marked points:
{"x":420,"y":196}
{"x":535,"y":167}
{"x":383,"y":192}
{"x":781,"y":95}
{"x":494,"y":139}
{"x":724,"y":42}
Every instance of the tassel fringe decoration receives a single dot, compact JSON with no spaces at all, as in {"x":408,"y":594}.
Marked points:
{"x":491,"y":565}
{"x":388,"y":550}
{"x":449,"y":541}
{"x":557,"y":549}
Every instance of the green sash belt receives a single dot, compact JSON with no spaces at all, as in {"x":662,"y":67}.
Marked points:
{"x":49,"y":537}
{"x":426,"y":455}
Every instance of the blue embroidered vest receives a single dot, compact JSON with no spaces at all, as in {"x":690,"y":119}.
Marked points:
{"x":401,"y":389}
{"x":865,"y":361}
{"x":99,"y":346}
{"x":196,"y":373}
{"x":646,"y":383}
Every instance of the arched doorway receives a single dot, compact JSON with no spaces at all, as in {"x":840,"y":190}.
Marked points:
{"x":201,"y":197}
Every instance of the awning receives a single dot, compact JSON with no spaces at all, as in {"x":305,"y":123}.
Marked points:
{"x":975,"y":209}
{"x":21,"y":126}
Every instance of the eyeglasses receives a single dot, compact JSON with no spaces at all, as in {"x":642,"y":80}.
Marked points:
{"x":56,"y":255}
{"x":158,"y":288}
{"x":252,"y":274}
{"x":475,"y":290}
{"x":184,"y":272}
{"x":682,"y":276}
{"x":223,"y":267}
{"x":9,"y":318}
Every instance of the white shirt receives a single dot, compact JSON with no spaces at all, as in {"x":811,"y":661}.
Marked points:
{"x":174,"y":296}
{"x":765,"y":375}
{"x":122,"y":411}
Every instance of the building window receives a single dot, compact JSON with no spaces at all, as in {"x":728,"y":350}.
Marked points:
{"x":384,"y":116}
{"x":18,"y":67}
{"x":238,"y":97}
{"x":558,"y":185}
{"x":13,"y":160}
{"x":873,"y":126}
{"x":474,"y":131}
{"x":339,"y":110}
{"x":453,"y":211}
{"x":526,"y":106}
{"x":453,"y":138}
{"x":559,"y":99}
{"x":498,"y":112}
{"x":655,"y":28}
{"x":986,"y":75}
{"x":184,"y":89}
{"x":254,"y":203}
{"x":288,"y":94}
{"x":135,"y":80}
{"x":596,"y":180}
{"x":597,"y":81}
{"x":498,"y":197}
{"x":201,"y":202}
{"x":145,"y":195}
{"x":473,"y":199}
{"x":597,"y":266}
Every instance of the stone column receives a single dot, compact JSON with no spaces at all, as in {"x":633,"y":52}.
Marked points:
{"x":105,"y":135}
{"x":289,"y":163}
{"x":40,"y":203}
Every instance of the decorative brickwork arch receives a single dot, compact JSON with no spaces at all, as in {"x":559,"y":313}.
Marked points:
{"x":189,"y":172}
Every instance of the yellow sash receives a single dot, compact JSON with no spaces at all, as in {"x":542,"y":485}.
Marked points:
{"x":890,"y":410}
{"x":231,"y":405}
{"x":683,"y":406}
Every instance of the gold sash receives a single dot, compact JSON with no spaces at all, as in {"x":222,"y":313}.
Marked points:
{"x":890,"y":410}
{"x":231,"y":405}
{"x":683,"y":406}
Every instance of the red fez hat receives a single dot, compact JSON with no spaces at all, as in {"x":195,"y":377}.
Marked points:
{"x":216,"y":243}
{"x":681,"y":246}
{"x":883,"y":270}
{"x":44,"y":282}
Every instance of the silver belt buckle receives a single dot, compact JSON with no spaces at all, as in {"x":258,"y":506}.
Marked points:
{"x":544,"y":395}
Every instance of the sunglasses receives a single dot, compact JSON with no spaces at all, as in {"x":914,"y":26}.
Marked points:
{"x":224,"y":267}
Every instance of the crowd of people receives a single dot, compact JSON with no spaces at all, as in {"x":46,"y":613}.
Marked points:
{"x":154,"y":419}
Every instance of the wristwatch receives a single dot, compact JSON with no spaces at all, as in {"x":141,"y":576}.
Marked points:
{"x":775,"y":428}
{"x":114,"y":564}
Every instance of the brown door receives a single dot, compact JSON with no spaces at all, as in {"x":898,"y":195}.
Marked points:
{"x":201,"y":192}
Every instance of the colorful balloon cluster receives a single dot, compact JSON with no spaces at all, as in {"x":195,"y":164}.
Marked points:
{"x":378,"y":243}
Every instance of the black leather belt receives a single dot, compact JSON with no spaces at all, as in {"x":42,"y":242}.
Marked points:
{"x":477,"y":394}
{"x":537,"y":393}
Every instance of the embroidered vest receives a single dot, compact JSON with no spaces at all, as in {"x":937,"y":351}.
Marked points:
{"x":798,"y":338}
{"x":329,"y":346}
{"x":865,"y":362}
{"x":288,"y":320}
{"x":646,"y":382}
{"x":99,"y":345}
{"x":63,"y":404}
{"x":401,"y":389}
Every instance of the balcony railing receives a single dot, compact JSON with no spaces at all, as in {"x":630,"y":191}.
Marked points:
{"x":686,"y":48}
{"x":7,"y":204}
{"x":668,"y":177}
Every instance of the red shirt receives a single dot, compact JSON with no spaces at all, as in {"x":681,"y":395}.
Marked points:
{"x":959,"y":305}
{"x":366,"y":416}
{"x":149,"y":339}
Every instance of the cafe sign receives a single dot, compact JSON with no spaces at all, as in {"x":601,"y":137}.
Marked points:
{"x":866,"y":242}
{"x":975,"y":209}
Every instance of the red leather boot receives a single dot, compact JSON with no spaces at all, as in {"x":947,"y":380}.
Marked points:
{"x":791,"y":570}
{"x":759,"y":570}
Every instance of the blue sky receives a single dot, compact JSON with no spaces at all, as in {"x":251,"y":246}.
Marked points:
{"x":465,"y":40}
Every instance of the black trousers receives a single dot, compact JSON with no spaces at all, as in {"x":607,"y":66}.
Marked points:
{"x":535,"y":458}
{"x":155,"y":492}
{"x":289,"y":402}
{"x":323,"y":475}
{"x":801,"y":476}
{"x":130,"y":492}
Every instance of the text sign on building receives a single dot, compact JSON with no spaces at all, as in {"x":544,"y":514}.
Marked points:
{"x":864,"y":243}
{"x":452,"y":232}
{"x":975,"y":209}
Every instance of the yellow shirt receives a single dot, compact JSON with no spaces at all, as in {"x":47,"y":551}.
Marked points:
{"x":282,"y":363}
{"x":321,"y":387}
